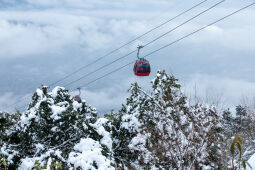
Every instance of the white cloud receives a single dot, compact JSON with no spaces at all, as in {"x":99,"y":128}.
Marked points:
{"x":211,"y":88}
{"x":235,"y":32}
{"x":97,"y":3}
{"x":214,"y":29}
{"x":104,"y":99}
{"x":63,"y":27}
{"x":10,"y":102}
{"x":33,"y":33}
{"x":42,"y":32}
{"x":6,"y":99}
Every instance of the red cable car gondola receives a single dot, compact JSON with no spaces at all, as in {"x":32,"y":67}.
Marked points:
{"x":142,"y":66}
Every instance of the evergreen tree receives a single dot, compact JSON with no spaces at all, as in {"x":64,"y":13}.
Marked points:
{"x":153,"y":130}
{"x":241,"y":114}
{"x":228,"y":122}
{"x":159,"y":130}
{"x":53,"y":129}
{"x":227,"y":116}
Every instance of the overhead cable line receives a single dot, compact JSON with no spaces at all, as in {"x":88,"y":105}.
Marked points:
{"x":129,"y":42}
{"x":124,"y":56}
{"x":167,"y":45}
{"x":115,"y":50}
{"x":100,"y":68}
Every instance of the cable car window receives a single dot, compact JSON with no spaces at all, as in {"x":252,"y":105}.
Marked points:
{"x":143,"y":68}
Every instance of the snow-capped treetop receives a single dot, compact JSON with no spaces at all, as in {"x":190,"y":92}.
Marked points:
{"x":54,"y":128}
{"x":162,"y":130}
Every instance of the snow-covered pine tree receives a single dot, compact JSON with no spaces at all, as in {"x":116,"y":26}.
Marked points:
{"x":57,"y":131}
{"x":159,"y":130}
{"x":241,"y":118}
{"x":228,"y":122}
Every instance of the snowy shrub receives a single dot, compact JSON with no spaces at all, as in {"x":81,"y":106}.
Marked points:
{"x":153,"y":130}
{"x":88,"y":155}
{"x":7,"y":135}
{"x":52,"y":130}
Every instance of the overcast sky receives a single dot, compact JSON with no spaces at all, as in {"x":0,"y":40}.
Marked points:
{"x":44,"y":40}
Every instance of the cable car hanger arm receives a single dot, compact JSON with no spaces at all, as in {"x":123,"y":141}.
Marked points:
{"x":138,"y":50}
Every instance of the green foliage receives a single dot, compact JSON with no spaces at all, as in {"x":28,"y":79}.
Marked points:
{"x":237,"y":147}
{"x":240,"y":122}
{"x":3,"y":162}
{"x":111,"y":116}
{"x":227,"y":116}
{"x":241,"y":111}
{"x":241,"y":118}
{"x":7,"y":135}
{"x":7,"y":121}
{"x":53,"y":165}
